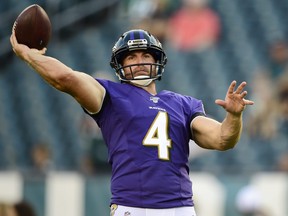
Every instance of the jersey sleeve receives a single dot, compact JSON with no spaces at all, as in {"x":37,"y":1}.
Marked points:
{"x":103,"y":111}
{"x":196,"y":108}
{"x":193,"y":107}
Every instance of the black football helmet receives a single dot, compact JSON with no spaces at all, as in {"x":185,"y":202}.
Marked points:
{"x":138,"y":39}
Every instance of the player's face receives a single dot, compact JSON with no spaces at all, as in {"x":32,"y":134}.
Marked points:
{"x":140,"y":62}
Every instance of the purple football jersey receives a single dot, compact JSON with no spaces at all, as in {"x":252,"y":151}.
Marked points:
{"x":147,"y":138}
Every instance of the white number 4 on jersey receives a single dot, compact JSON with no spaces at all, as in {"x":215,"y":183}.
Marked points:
{"x":157,"y":136}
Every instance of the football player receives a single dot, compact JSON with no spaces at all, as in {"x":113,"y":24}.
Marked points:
{"x":146,"y":132}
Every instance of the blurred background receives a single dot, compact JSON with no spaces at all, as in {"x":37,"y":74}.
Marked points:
{"x":52,"y":156}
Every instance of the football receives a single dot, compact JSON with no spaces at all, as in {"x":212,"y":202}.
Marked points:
{"x":33,"y":27}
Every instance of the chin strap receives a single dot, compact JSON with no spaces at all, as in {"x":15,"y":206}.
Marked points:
{"x":141,"y":80}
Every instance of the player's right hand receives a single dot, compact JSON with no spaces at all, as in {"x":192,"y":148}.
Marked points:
{"x":22,"y":50}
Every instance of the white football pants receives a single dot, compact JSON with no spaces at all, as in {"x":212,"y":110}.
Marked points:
{"x":119,"y":210}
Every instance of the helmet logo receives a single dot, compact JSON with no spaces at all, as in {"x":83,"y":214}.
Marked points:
{"x":138,"y":43}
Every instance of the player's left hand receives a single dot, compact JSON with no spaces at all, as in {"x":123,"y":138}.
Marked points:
{"x":235,"y":102}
